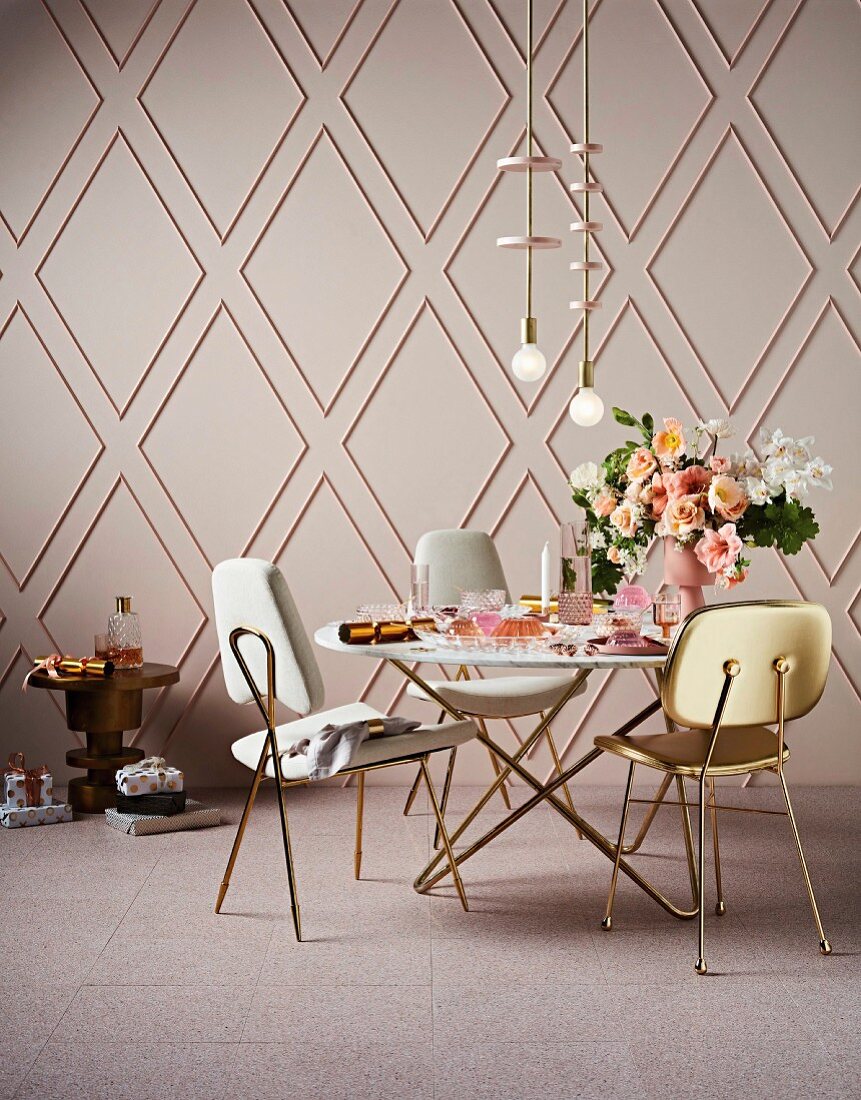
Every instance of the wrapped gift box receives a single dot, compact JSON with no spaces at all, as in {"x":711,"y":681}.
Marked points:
{"x":11,"y":817}
{"x":14,"y":791}
{"x":149,"y":780}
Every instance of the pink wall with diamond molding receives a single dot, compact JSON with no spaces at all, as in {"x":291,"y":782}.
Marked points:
{"x":250,"y":303}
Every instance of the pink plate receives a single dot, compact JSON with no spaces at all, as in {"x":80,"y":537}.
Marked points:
{"x":585,"y":227}
{"x":587,"y":147}
{"x":591,"y":188}
{"x":585,"y":265}
{"x":591,"y":303}
{"x":652,"y":648}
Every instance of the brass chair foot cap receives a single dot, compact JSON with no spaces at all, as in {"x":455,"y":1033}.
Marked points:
{"x":825,"y":947}
{"x":607,"y":923}
{"x":701,"y":967}
{"x":222,"y":890}
{"x":720,"y":908}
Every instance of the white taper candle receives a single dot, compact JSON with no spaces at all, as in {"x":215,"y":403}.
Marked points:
{"x":545,"y":578}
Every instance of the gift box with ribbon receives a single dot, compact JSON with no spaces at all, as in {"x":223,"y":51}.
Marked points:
{"x":23,"y":786}
{"x":150,"y":776}
{"x":11,"y":817}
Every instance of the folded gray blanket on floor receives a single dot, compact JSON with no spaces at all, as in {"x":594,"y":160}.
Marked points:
{"x":334,"y":747}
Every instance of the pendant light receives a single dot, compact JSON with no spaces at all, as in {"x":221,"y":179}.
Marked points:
{"x":528,"y":363}
{"x":586,"y":407}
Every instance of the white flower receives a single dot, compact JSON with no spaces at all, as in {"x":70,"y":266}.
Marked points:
{"x":799,"y":450}
{"x":720,"y":429}
{"x":775,"y":444}
{"x":818,"y":473}
{"x":598,"y":540}
{"x":757,"y":490}
{"x":587,"y":476}
{"x":796,"y":486}
{"x":746,"y":465}
{"x":777,"y":470}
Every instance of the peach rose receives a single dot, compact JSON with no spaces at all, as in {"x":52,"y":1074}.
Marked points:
{"x":719,"y":550}
{"x":682,"y":516}
{"x":670,"y":444}
{"x":613,"y":555}
{"x":624,"y":519}
{"x":690,"y":482}
{"x":727,"y":498}
{"x":604,"y":503}
{"x":641,"y":464}
{"x":719,"y":464}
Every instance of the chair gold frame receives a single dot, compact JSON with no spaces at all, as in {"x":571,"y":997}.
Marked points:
{"x":705,"y":775}
{"x":270,"y":751}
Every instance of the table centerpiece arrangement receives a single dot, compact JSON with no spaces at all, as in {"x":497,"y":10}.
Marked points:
{"x":710,"y":509}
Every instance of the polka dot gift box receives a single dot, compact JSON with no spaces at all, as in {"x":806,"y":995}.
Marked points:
{"x":25,"y":786}
{"x":13,"y":818}
{"x":149,"y":776}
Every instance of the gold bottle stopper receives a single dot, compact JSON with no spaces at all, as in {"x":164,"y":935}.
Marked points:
{"x":124,"y":604}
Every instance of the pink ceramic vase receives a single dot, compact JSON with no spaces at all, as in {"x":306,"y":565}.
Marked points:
{"x":685,"y":570}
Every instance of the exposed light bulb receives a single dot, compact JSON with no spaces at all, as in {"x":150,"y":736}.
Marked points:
{"x":586,"y":407}
{"x":529,"y":363}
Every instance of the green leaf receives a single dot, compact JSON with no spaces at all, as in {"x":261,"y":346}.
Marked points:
{"x":622,"y":417}
{"x":648,"y":422}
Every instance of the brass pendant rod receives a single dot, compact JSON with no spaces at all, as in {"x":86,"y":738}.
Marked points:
{"x":586,"y":176}
{"x":529,"y":154}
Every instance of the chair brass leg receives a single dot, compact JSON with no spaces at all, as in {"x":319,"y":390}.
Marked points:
{"x":360,"y":808}
{"x":689,"y":840}
{"x":414,"y":790}
{"x":503,"y":790}
{"x":607,"y":922}
{"x":557,"y":761}
{"x":285,"y":834}
{"x":446,"y":790}
{"x":243,"y":821}
{"x":824,"y":945}
{"x":720,"y":906}
{"x":660,"y":794}
{"x":701,"y":967}
{"x":449,"y":851}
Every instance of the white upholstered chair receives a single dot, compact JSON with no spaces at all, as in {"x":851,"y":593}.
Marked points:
{"x":462,"y":561}
{"x":266,"y":655}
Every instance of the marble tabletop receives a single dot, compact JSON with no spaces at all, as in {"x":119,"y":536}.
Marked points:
{"x":327,"y":637}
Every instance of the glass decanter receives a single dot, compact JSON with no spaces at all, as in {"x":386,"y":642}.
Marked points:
{"x":124,"y":635}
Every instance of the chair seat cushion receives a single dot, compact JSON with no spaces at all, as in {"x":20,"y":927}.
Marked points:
{"x":376,"y":750}
{"x":738,"y":749}
{"x":505,"y":697}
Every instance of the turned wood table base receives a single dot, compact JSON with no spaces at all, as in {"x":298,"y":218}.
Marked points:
{"x":102,"y":709}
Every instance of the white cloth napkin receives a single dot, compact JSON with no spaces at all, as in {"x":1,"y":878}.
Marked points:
{"x":335,"y":747}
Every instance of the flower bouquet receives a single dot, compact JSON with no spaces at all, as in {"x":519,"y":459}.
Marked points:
{"x":674,"y":485}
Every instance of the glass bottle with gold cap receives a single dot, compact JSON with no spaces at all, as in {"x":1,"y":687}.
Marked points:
{"x":124,"y":635}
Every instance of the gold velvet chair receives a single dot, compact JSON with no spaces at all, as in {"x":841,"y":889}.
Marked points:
{"x":732,"y":670}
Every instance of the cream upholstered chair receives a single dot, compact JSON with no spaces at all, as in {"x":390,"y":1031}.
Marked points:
{"x":732,"y":670}
{"x":266,"y":655}
{"x":463,"y":561}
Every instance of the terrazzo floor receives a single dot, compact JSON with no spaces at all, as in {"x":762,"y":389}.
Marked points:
{"x":121,"y":982}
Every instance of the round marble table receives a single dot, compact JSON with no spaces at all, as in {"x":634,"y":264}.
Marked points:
{"x":103,"y":708}
{"x":481,"y":657}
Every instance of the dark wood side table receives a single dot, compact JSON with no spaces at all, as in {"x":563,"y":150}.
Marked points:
{"x":103,"y":708}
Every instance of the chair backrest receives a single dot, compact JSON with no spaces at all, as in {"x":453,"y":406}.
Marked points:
{"x":754,"y":634}
{"x":253,"y":593}
{"x":459,"y":561}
